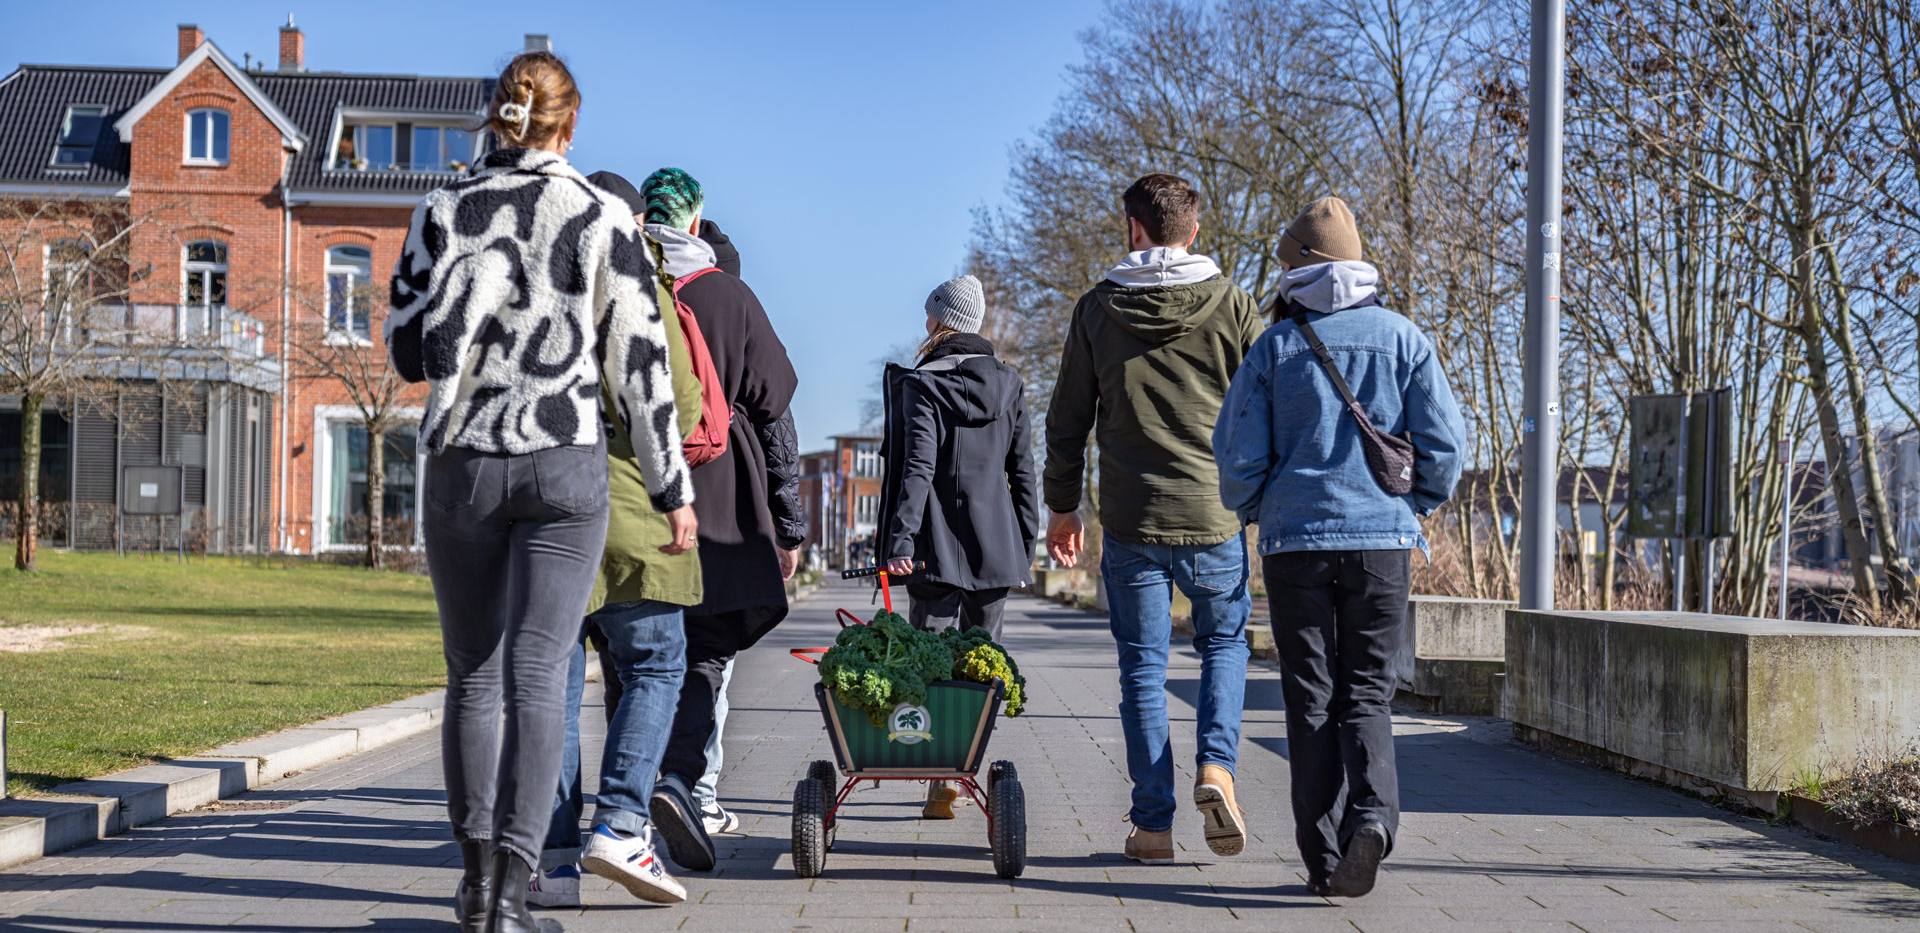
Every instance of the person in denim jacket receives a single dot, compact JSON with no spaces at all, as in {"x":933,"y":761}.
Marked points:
{"x":1334,"y":543}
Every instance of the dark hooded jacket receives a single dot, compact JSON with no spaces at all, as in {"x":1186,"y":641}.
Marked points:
{"x":961,"y":495}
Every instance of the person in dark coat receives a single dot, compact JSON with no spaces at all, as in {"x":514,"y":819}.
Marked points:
{"x":961,"y":502}
{"x":742,"y":560}
{"x":962,"y":511}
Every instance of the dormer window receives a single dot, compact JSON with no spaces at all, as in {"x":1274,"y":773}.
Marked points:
{"x":207,"y":137}
{"x":78,"y":132}
{"x":390,"y":143}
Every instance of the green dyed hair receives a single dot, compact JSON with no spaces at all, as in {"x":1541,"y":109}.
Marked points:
{"x":673,"y":197}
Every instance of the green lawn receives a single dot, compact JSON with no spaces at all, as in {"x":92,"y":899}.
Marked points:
{"x":196,"y":654}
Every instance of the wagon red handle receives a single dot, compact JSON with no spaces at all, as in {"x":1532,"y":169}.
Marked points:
{"x":847,"y":618}
{"x":809,"y":655}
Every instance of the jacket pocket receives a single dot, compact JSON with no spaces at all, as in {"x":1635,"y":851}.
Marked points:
{"x":572,"y":479}
{"x":453,"y":477}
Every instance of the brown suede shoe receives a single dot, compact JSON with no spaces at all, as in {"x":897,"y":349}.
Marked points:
{"x":1220,"y":816}
{"x":1150,"y":848}
{"x":940,"y":796}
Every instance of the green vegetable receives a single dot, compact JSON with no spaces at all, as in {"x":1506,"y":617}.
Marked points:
{"x":878,"y":666}
{"x":978,"y":658}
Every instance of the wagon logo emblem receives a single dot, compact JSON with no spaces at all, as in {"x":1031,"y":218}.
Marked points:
{"x":909,"y":725}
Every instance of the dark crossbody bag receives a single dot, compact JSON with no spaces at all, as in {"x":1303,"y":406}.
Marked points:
{"x":1389,"y":457}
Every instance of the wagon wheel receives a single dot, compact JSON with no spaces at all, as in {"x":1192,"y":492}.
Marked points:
{"x":809,"y":829}
{"x":1008,"y":828}
{"x":823,"y":771}
{"x":999,"y":769}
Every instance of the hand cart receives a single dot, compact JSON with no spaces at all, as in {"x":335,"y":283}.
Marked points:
{"x":944,"y":740}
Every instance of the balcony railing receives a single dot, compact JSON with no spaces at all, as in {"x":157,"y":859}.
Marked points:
{"x":209,"y":327}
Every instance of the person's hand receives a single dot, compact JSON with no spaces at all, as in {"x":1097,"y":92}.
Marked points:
{"x":1064,"y":532}
{"x":900,"y":566}
{"x":789,"y":562}
{"x":686,"y":530}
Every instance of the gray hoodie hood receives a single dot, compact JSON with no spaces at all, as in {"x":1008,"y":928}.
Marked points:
{"x":685,"y":252}
{"x":1330,"y":286}
{"x":1162,"y":265}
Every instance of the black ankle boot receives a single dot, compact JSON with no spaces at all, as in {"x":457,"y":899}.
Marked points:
{"x":474,"y":897}
{"x":508,"y":912}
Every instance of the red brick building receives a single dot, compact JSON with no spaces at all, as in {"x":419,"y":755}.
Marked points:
{"x":840,"y":489}
{"x":279,"y":198}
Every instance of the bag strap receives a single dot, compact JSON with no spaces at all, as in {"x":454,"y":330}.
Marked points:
{"x":685,"y":280}
{"x":1299,"y":318}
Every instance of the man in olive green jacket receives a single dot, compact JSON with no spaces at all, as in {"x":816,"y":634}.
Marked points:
{"x":1149,"y":355}
{"x":646,"y":580}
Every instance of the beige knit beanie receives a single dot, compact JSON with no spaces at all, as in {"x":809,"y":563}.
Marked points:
{"x":1324,"y":232}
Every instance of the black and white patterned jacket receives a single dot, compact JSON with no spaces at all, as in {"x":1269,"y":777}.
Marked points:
{"x":521,"y":289}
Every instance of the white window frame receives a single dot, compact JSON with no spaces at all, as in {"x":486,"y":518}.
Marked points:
{"x":320,"y":526}
{"x":440,"y":164}
{"x":210,"y":159}
{"x":47,"y":265}
{"x":348,"y":120}
{"x":348,"y":335}
{"x":192,"y":267}
{"x":59,"y":142}
{"x":866,"y":460}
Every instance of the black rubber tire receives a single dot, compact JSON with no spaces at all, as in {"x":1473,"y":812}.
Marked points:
{"x":1009,"y":837}
{"x":999,"y":769}
{"x":823,"y":771}
{"x":809,"y":829}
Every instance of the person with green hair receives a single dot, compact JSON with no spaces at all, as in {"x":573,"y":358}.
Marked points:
{"x":752,"y":529}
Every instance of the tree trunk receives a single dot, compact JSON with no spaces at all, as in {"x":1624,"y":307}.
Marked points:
{"x":376,"y":498}
{"x":27,"y":532}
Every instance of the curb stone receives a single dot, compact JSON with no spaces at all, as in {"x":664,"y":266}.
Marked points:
{"x":86,"y":811}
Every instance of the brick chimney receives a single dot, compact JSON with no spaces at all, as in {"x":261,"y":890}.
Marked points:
{"x":539,"y":42}
{"x":293,"y":47}
{"x":190,"y":38}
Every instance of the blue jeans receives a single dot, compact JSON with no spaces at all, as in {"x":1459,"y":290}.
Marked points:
{"x":1140,"y":579}
{"x":706,"y":793}
{"x":563,"y":829}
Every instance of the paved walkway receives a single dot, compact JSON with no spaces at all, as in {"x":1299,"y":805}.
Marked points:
{"x":1495,"y":837}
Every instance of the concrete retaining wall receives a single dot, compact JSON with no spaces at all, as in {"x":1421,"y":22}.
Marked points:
{"x":1452,"y":657}
{"x":1751,"y":705}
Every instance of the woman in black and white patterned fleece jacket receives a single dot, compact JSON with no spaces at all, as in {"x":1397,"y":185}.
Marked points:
{"x":523,"y":295}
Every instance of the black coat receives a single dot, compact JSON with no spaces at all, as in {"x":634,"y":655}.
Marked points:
{"x":739,"y":563}
{"x":960,"y":495}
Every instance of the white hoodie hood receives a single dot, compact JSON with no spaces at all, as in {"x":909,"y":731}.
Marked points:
{"x":686,"y":253}
{"x":1162,"y":266}
{"x":1330,"y":286}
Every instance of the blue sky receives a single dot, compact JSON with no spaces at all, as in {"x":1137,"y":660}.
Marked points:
{"x":842,"y":144}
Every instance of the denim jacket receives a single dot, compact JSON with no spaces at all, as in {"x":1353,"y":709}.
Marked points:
{"x":1289,"y":451}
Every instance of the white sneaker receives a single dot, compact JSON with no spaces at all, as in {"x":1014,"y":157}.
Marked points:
{"x":559,"y":887}
{"x":719,"y":819}
{"x":632,"y":863}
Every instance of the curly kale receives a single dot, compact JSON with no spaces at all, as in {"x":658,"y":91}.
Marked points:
{"x":878,"y":666}
{"x":979,"y":658}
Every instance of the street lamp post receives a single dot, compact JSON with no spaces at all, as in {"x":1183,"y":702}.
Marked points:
{"x":1540,"y":426}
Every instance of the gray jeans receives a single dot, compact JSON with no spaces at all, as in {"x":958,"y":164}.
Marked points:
{"x":513,"y":545}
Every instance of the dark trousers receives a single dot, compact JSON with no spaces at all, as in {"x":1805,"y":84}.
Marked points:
{"x":1338,"y":617}
{"x":937,"y":607}
{"x":712,"y":641}
{"x":513,"y":544}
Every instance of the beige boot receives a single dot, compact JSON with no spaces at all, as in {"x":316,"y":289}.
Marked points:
{"x":1149,"y":847}
{"x":1220,"y":816}
{"x":939,"y":806}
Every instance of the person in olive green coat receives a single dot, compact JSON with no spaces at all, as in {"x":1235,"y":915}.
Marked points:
{"x":1149,"y":355}
{"x":634,"y":618}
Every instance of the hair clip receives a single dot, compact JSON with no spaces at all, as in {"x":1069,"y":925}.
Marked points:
{"x":518,"y":114}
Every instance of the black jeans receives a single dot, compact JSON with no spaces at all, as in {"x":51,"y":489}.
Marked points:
{"x":937,"y":606}
{"x":712,"y":641}
{"x":1338,"y":617}
{"x":513,"y":544}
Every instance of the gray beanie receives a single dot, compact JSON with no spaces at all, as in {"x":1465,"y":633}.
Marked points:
{"x":959,"y":303}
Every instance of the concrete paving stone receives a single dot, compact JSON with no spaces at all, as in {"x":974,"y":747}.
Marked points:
{"x":1492,"y":831}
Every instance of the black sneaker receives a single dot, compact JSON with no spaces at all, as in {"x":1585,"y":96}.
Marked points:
{"x":678,"y":821}
{"x":1360,"y":864}
{"x":1318,"y":887}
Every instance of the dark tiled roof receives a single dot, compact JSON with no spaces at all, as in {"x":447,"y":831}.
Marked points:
{"x":34,"y":100}
{"x":310,"y":100}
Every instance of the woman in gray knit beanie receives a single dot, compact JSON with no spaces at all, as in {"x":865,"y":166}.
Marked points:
{"x":960,"y":509}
